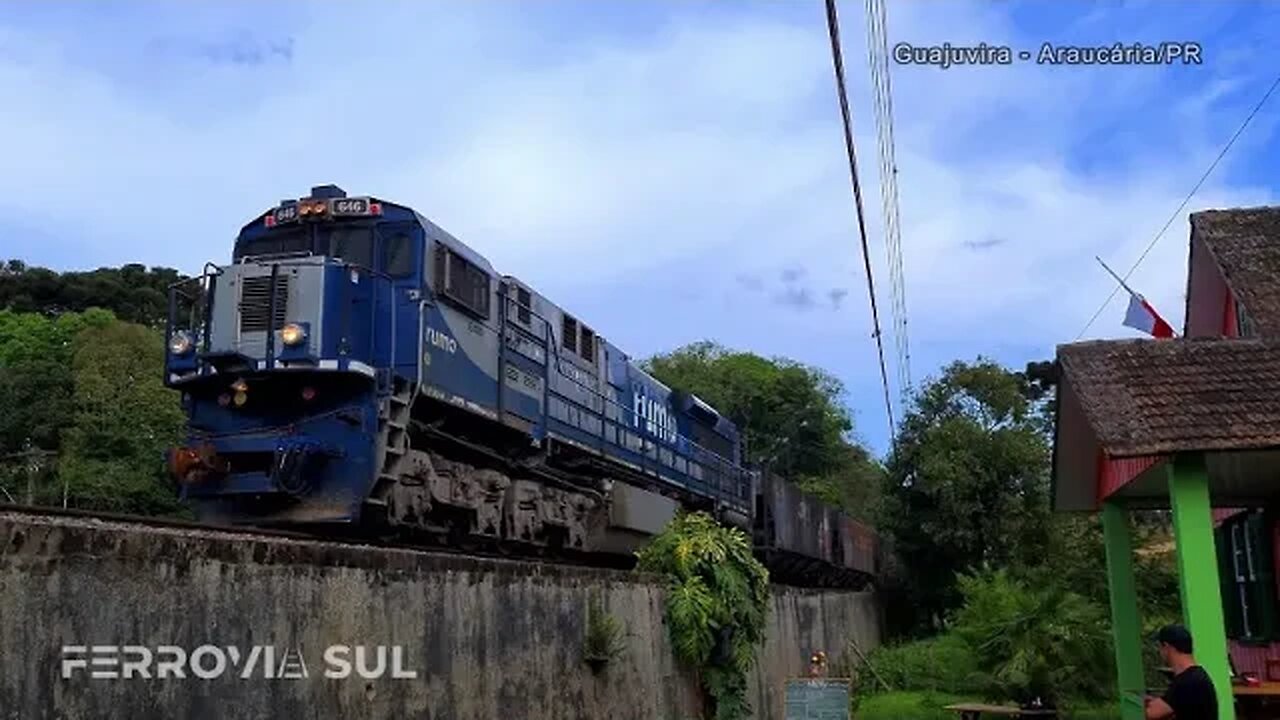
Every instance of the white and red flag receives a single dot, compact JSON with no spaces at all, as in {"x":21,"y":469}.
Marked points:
{"x":1140,"y":315}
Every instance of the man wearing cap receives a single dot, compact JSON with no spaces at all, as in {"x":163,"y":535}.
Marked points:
{"x":1190,"y":695}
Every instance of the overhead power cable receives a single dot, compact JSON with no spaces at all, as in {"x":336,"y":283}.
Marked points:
{"x":1183,"y":204}
{"x":882,"y":94}
{"x":837,"y":59}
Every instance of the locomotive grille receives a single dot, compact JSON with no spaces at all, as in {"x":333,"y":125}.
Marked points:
{"x":255,"y":303}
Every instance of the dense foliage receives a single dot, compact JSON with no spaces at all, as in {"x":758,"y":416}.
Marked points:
{"x":1034,"y":642}
{"x":717,"y":603}
{"x":133,"y":293}
{"x":35,"y":377}
{"x":84,"y":415}
{"x":124,"y":419}
{"x":968,"y":486}
{"x":1012,"y":597}
{"x":1011,"y":640}
{"x":792,"y":416}
{"x":943,"y":664}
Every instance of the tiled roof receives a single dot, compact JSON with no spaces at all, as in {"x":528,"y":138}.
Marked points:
{"x":1246,"y":244}
{"x":1150,"y":397}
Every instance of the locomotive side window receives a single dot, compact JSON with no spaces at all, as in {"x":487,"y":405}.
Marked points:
{"x":461,"y":281}
{"x":523,"y":300}
{"x":569,"y":333}
{"x":397,"y":255}
{"x":354,"y":245}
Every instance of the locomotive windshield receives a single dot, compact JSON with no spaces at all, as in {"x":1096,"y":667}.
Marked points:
{"x":352,"y":243}
{"x":281,"y":242}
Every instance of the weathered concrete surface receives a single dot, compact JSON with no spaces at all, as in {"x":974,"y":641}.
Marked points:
{"x":486,"y":639}
{"x":802,"y":622}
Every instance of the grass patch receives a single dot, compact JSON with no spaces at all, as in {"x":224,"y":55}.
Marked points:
{"x":944,"y":664}
{"x":1096,"y":712}
{"x":927,"y":705}
{"x":907,"y":706}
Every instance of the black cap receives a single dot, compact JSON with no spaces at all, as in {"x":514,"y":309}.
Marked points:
{"x":1176,"y":637}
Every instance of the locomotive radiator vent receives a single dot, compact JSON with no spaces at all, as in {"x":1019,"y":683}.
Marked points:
{"x":255,"y":303}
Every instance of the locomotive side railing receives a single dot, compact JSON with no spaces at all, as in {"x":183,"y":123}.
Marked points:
{"x":702,"y":469}
{"x":197,"y":293}
{"x":714,"y":474}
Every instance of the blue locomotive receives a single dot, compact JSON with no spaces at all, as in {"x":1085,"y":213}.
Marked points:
{"x":356,"y":364}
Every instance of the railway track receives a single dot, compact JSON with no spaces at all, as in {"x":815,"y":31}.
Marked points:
{"x":782,"y":574}
{"x":353,"y":541}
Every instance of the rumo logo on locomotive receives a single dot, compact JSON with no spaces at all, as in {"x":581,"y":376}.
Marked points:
{"x":356,"y":367}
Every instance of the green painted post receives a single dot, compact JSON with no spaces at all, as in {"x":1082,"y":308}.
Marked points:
{"x":1198,"y":572}
{"x":1126,"y":629}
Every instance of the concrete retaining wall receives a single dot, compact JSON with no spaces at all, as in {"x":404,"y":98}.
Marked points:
{"x":486,"y":639}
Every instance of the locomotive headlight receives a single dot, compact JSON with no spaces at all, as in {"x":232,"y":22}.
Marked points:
{"x":241,"y":390}
{"x":313,"y":209}
{"x":180,"y":343}
{"x":293,"y":334}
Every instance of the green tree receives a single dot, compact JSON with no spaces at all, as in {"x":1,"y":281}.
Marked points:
{"x":132,"y":292}
{"x":35,"y":376}
{"x":792,"y":416}
{"x":112,"y":455}
{"x":968,"y":485}
{"x":32,"y":335}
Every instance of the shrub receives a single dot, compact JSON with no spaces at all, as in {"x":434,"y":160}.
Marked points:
{"x":944,"y":664}
{"x":1044,"y":642}
{"x":717,"y":603}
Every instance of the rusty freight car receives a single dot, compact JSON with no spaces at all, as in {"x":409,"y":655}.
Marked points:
{"x":800,"y":539}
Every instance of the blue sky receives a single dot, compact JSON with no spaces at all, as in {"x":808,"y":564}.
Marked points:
{"x":669,"y":171}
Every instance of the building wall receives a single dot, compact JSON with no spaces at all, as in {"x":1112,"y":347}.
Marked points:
{"x":1252,"y":657}
{"x":1206,"y":294}
{"x":486,"y":638}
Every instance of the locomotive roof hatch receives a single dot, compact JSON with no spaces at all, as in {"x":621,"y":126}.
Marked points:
{"x":327,"y":192}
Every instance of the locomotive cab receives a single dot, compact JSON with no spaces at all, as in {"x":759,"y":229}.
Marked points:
{"x":283,"y":352}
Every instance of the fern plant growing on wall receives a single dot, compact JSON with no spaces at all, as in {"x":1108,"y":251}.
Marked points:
{"x":717,"y":604}
{"x":604,"y":637}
